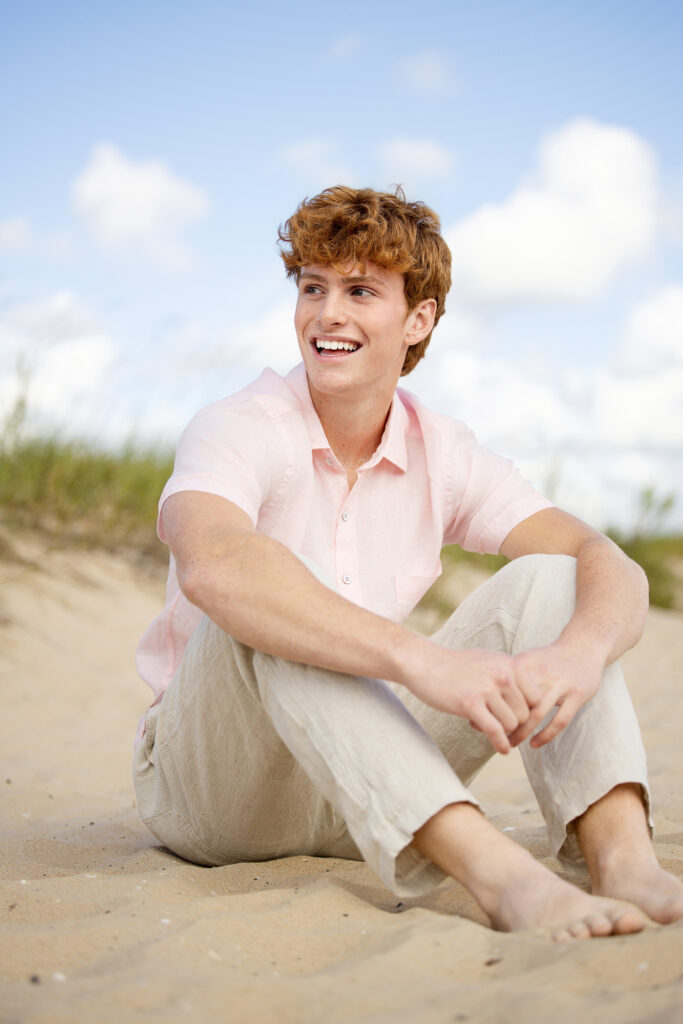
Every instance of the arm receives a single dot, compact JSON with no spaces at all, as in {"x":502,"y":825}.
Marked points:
{"x":256,"y":590}
{"x":611,"y":609}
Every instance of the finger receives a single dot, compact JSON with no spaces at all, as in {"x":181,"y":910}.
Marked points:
{"x":514,"y":697}
{"x":561,"y":720}
{"x":532,"y":691}
{"x":535,"y":718}
{"x":502,"y":712}
{"x":485,"y":722}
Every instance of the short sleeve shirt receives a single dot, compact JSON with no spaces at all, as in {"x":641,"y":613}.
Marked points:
{"x":429,"y":483}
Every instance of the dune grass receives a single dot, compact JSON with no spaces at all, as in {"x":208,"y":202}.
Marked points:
{"x":73,"y":493}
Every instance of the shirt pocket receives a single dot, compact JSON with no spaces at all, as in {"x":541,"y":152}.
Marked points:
{"x":410,"y":588}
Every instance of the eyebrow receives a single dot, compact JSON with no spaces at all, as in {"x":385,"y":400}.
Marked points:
{"x":353,"y":279}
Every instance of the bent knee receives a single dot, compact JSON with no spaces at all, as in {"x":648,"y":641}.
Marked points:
{"x":549,"y":580}
{"x":561,"y":568}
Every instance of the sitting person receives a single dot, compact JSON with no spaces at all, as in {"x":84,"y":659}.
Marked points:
{"x":305,"y":518}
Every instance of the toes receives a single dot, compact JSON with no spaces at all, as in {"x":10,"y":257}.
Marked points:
{"x":611,"y":921}
{"x":599,"y":924}
{"x":580,"y":930}
{"x":672,"y":910}
{"x":628,"y":921}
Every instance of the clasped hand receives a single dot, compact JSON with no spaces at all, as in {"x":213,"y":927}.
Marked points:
{"x":507,"y":696}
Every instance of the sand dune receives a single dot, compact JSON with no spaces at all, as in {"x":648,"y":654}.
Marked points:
{"x":100,"y":924}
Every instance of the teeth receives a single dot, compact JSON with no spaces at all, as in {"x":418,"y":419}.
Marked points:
{"x":332,"y":346}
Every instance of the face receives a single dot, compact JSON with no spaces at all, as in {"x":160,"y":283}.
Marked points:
{"x":354,"y":329}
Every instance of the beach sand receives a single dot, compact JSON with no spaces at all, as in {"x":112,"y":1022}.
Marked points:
{"x":101,"y":924}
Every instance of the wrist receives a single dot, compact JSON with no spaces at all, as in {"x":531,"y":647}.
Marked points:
{"x":410,"y":657}
{"x":588,"y":641}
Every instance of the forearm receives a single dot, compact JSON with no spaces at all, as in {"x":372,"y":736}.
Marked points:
{"x":612,"y":600}
{"x":263,"y":595}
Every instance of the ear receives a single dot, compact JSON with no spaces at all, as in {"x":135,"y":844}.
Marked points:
{"x":420,"y":321}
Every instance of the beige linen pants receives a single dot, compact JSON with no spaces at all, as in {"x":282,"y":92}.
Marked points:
{"x":251,"y":757}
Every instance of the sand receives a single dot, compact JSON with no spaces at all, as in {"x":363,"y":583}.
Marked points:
{"x":101,"y":924}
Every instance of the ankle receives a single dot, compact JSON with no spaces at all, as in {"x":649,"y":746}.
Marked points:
{"x":613,"y":833}
{"x":461,"y":841}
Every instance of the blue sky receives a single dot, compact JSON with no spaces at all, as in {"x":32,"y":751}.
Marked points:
{"x":150,"y":151}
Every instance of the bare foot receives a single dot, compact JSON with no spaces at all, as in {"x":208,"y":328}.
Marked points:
{"x":546,"y":901}
{"x":649,"y":886}
{"x":514,"y":889}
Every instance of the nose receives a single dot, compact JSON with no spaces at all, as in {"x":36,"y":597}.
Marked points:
{"x":332,"y":311}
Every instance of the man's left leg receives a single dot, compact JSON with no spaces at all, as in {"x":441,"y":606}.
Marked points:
{"x":621,"y":861}
{"x":591,"y":780}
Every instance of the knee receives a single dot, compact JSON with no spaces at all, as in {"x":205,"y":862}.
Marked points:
{"x":556,"y":570}
{"x":546,"y":584}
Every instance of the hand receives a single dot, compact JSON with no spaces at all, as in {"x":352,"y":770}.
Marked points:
{"x":567,"y":676}
{"x":481,"y":686}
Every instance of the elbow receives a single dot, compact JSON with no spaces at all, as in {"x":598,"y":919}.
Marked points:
{"x":205,"y":585}
{"x":641,"y":600}
{"x":194,"y":584}
{"x":643,"y":584}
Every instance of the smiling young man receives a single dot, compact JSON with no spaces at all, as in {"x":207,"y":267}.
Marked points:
{"x":305,"y":517}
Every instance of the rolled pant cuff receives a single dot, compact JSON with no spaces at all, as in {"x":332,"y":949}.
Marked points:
{"x":562,"y":831}
{"x":401,"y":867}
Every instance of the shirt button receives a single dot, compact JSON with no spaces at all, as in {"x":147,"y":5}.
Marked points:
{"x":328,"y":460}
{"x":346,"y":578}
{"x":346,"y":516}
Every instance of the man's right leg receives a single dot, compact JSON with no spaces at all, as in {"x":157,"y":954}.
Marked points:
{"x":250,"y":757}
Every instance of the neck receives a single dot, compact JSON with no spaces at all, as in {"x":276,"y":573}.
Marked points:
{"x":353,"y":427}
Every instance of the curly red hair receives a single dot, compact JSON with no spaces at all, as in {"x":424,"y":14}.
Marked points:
{"x":345,"y":225}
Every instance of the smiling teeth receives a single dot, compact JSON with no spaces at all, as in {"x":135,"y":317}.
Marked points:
{"x":332,"y":346}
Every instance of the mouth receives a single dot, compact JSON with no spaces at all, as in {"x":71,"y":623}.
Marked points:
{"x":334,"y":346}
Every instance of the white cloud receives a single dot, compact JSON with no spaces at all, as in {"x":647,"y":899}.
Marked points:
{"x":55,"y":349}
{"x":645,"y":412}
{"x":517,"y":411}
{"x":427,"y":73}
{"x":317,"y":161}
{"x":590,"y":207}
{"x":406,"y":159}
{"x":603,"y":433}
{"x":17,"y":236}
{"x":138,"y":205}
{"x":270,"y":341}
{"x":653,"y":341}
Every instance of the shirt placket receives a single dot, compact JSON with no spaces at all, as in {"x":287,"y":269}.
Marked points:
{"x":346,"y":548}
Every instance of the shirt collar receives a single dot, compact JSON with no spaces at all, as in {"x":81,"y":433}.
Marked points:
{"x":392,"y":447}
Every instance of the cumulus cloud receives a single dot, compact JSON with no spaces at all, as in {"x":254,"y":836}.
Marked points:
{"x":638,"y":396}
{"x":406,"y":159}
{"x":517,"y":411}
{"x":653,"y":338}
{"x":138,"y":205}
{"x":269,"y":341}
{"x":18,"y":236}
{"x":645,"y":412}
{"x":428,"y":73}
{"x":317,"y":161}
{"x":55,"y":349}
{"x":589,"y":208}
{"x":594,"y":436}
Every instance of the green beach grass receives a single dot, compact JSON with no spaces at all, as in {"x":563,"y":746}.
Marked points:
{"x":72,"y":493}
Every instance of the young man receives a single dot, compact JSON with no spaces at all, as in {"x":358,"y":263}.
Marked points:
{"x":305,"y":518}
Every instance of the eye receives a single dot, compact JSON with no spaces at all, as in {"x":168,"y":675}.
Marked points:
{"x":310,"y":289}
{"x":360,"y":290}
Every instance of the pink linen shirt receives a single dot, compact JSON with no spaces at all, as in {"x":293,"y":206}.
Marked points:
{"x":428,"y":484}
